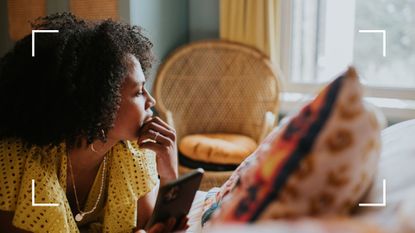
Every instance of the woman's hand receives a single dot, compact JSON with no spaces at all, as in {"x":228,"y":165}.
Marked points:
{"x":159,"y":137}
{"x":167,"y":227}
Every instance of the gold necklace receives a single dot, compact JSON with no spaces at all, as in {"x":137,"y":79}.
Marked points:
{"x":81,"y":214}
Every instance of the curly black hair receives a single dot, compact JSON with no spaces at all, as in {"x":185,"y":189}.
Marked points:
{"x":71,"y":88}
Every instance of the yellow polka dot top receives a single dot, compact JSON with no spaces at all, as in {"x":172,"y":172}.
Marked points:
{"x":131,"y":174}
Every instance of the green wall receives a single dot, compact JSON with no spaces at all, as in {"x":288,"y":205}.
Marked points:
{"x":165,"y":22}
{"x":203,"y":19}
{"x":168,"y":23}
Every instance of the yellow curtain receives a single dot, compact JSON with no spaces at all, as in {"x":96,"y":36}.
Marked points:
{"x":252,"y":22}
{"x":20,"y":13}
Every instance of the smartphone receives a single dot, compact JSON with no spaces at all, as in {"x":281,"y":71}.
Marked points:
{"x":175,"y":198}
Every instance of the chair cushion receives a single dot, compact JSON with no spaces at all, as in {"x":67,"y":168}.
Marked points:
{"x":320,"y":163}
{"x":217,"y":148}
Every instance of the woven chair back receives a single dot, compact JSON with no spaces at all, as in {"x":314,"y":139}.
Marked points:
{"x":217,"y":87}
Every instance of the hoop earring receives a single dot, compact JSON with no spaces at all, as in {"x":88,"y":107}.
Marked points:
{"x":91,"y":146}
{"x":104,"y":138}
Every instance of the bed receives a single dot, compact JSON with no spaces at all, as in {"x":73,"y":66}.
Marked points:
{"x":395,"y":212}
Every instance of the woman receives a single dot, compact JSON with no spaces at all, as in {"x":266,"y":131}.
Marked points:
{"x":76,"y":119}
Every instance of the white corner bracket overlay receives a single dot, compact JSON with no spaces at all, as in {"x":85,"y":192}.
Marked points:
{"x":39,"y":204}
{"x":383,"y":204}
{"x":39,"y":31}
{"x":383,"y":38}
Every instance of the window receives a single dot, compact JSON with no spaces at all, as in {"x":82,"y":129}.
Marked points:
{"x":321,"y":38}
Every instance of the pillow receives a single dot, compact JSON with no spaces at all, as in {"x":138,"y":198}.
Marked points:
{"x":320,"y":163}
{"x":217,"y":148}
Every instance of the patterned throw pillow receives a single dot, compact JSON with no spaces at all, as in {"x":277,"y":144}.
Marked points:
{"x":320,"y":163}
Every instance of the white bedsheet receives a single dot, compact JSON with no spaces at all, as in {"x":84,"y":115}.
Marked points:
{"x":195,"y":213}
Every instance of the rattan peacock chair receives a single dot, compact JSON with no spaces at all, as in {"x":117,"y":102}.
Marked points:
{"x":217,"y":87}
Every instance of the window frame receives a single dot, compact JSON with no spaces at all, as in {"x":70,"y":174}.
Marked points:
{"x":372,"y":92}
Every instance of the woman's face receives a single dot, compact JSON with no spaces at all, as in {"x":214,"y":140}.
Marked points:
{"x":135,"y":106}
